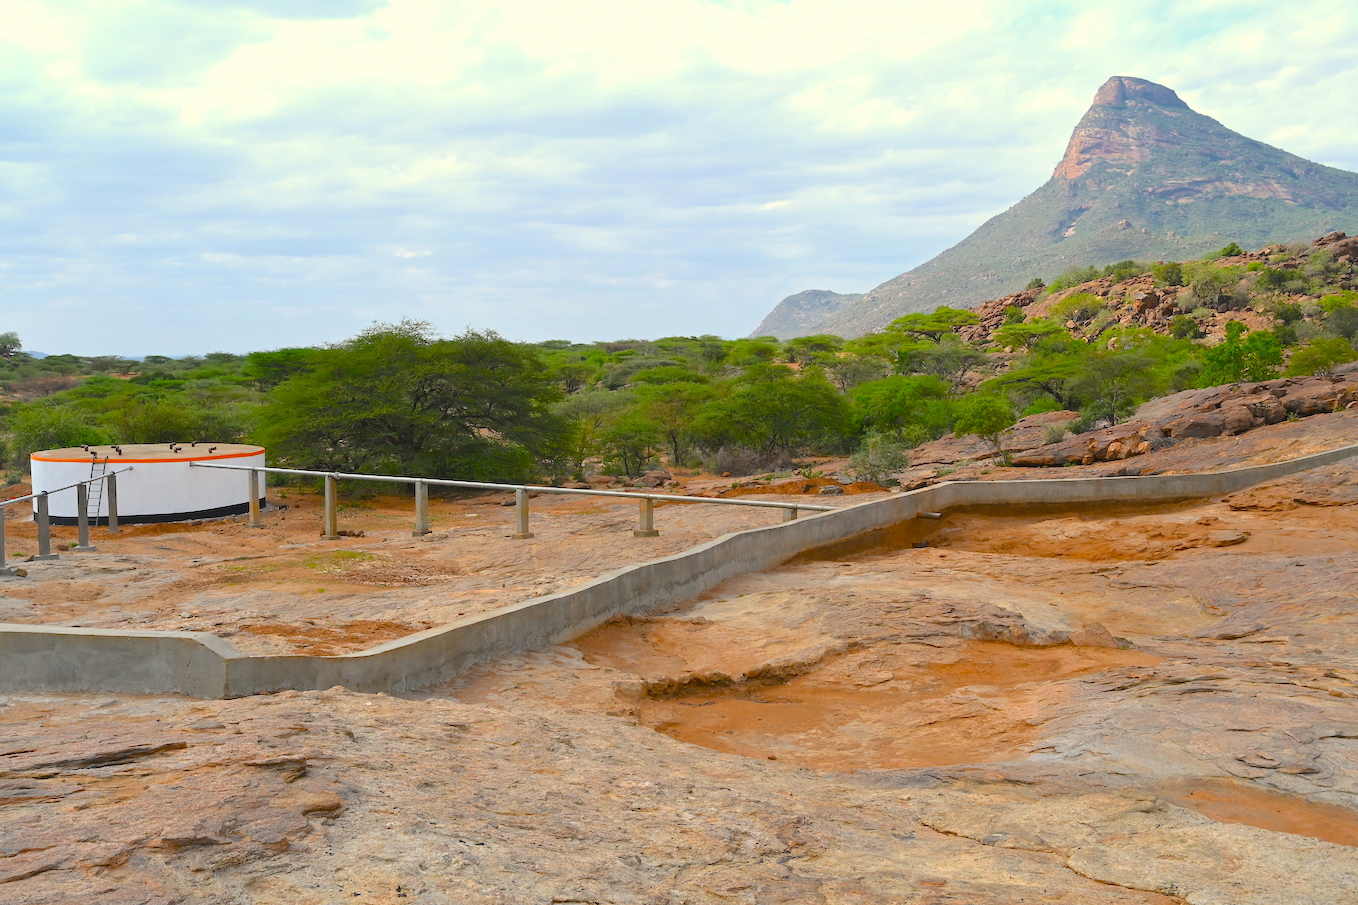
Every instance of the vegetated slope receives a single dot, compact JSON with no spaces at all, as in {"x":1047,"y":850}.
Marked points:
{"x":1144,"y":176}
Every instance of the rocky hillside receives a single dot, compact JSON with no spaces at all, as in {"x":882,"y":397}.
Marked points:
{"x":800,"y":314}
{"x":1145,"y":177}
{"x":1143,"y":300}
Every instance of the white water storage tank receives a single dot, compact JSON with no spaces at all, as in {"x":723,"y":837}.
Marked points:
{"x":161,"y":487}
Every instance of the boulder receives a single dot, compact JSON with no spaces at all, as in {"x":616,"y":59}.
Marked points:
{"x":1206,"y":424}
{"x":1265,"y":407}
{"x":1236,"y":419}
{"x":1093,"y":635}
{"x":1317,"y":398}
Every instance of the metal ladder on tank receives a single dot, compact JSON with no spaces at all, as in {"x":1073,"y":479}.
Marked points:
{"x":98,"y":468}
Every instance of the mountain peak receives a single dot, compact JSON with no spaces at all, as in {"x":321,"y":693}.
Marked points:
{"x":1143,"y":177}
{"x":1121,"y":88}
{"x":1118,"y":127}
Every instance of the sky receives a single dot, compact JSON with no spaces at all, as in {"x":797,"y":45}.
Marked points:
{"x":185,"y":177}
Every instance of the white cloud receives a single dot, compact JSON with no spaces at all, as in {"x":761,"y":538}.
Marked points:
{"x":587,"y":170}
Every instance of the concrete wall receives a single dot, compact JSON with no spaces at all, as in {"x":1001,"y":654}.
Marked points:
{"x":40,"y":659}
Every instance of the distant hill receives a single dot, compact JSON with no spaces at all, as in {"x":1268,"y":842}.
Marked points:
{"x":801,"y":314}
{"x":1144,"y":177}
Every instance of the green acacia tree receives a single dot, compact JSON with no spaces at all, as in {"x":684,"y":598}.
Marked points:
{"x":397,"y":398}
{"x":1242,"y":356}
{"x":773,"y":411}
{"x":987,"y":416}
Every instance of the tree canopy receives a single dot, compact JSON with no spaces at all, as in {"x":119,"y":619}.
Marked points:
{"x":398,"y":399}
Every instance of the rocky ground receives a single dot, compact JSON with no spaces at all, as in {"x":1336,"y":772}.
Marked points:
{"x":1109,"y":705}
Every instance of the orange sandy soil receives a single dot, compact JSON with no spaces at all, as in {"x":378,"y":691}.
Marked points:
{"x":284,"y":589}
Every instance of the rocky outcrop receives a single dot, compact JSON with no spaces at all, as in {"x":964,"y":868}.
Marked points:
{"x":1200,"y":414}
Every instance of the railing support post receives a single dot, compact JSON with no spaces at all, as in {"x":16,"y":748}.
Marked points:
{"x":82,"y":519}
{"x":44,"y":531}
{"x":331,"y":508}
{"x":255,"y":521}
{"x":521,"y":531}
{"x":789,"y":514}
{"x":111,"y":494}
{"x":647,"y":526}
{"x":421,"y":509}
{"x":4,"y":553}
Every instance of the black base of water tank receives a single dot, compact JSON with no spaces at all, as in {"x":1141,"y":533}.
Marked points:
{"x":131,"y":518}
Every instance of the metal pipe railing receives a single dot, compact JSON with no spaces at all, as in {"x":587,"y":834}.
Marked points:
{"x":646,"y":526}
{"x":43,"y":517}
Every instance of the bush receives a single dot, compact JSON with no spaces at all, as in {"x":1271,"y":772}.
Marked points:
{"x":1216,"y":288}
{"x":1080,"y":307}
{"x":1125,"y":270}
{"x":1181,"y":326}
{"x":1055,"y":433}
{"x":740,"y":461}
{"x":1289,"y":313}
{"x":1074,"y":277}
{"x":1229,"y":251}
{"x":1042,"y":404}
{"x":1321,"y":357}
{"x":878,"y":458}
{"x":1168,"y":274}
{"x":49,"y":427}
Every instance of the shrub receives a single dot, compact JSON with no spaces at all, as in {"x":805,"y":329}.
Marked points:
{"x":743,"y":460}
{"x":1181,"y":326}
{"x":1229,"y":251}
{"x":1080,"y":307}
{"x":1168,"y":274}
{"x":1074,"y":277}
{"x":1041,"y":404}
{"x":1054,"y":433}
{"x":1036,"y":283}
{"x":1215,"y":288}
{"x":1342,"y":322}
{"x":1125,"y":270}
{"x":1289,"y":312}
{"x":879,"y":457}
{"x":1321,"y":357}
{"x":49,"y":427}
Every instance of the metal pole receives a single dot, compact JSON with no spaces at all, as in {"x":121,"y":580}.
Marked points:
{"x":82,"y":519}
{"x":647,"y":527}
{"x":254,"y":499}
{"x":111,"y":491}
{"x":331,"y":508}
{"x":789,"y":514}
{"x":44,"y":531}
{"x":421,"y":509}
{"x":4,"y":553}
{"x":521,"y":515}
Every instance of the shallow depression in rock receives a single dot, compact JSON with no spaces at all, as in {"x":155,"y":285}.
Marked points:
{"x":886,"y":707}
{"x":1229,"y":801}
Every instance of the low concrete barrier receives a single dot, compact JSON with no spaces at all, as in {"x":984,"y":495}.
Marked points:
{"x":36,"y":658}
